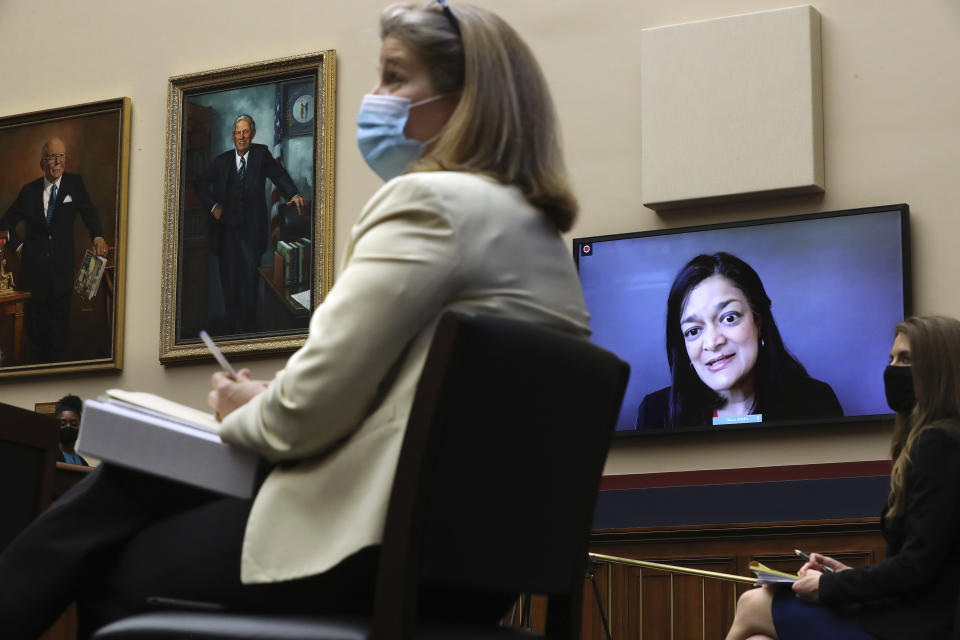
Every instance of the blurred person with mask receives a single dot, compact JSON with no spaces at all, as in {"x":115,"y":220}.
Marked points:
{"x":68,"y":412}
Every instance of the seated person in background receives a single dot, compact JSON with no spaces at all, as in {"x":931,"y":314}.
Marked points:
{"x":463,"y":129}
{"x":913,"y":593}
{"x":726,"y":355}
{"x":68,"y":412}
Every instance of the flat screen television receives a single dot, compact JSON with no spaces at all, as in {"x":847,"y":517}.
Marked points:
{"x":836,"y":283}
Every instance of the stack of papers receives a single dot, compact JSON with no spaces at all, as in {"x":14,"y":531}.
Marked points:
{"x":161,"y":437}
{"x":766,"y":575}
{"x":158,"y":406}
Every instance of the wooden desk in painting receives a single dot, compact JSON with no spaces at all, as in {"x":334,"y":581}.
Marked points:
{"x":11,"y":325}
{"x":280,"y":312}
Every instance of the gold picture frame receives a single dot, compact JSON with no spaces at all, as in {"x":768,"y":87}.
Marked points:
{"x":91,"y":199}
{"x":218,"y":224}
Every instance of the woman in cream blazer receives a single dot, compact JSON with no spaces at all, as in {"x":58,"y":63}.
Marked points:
{"x":426,"y":243}
{"x":463,"y":129}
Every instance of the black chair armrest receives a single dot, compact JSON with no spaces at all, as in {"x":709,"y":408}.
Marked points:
{"x":228,"y":626}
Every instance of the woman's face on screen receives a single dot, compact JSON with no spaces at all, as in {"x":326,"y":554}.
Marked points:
{"x":721,"y":336}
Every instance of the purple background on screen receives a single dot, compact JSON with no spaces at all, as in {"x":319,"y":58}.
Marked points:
{"x":836,"y":284}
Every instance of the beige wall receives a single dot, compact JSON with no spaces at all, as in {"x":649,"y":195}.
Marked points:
{"x":891,"y":105}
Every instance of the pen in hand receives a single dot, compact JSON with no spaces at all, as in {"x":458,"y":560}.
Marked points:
{"x":806,"y":557}
{"x":221,"y":359}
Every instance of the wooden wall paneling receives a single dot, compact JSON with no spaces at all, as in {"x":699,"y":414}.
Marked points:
{"x":649,"y":603}
{"x":687,"y":607}
{"x":592,"y":626}
{"x":703,"y":606}
{"x":720,"y":603}
{"x":656,"y":604}
{"x":538,"y":613}
{"x":643,"y":603}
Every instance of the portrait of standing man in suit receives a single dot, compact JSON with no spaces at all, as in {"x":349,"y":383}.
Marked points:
{"x":48,"y":208}
{"x":248,"y":255}
{"x":232,"y":189}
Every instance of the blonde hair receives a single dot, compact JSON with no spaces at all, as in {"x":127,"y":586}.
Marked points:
{"x":504,"y":124}
{"x":935,"y":364}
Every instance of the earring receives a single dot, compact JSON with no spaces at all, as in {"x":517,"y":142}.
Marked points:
{"x":762,"y":344}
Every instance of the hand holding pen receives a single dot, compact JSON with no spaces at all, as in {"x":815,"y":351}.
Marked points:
{"x":822,"y":563}
{"x":231,"y":389}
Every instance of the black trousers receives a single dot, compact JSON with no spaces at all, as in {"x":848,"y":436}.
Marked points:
{"x":123,"y":542}
{"x":239,"y":281}
{"x":47,"y":320}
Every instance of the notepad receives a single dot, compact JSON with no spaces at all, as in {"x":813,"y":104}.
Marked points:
{"x":766,"y":575}
{"x":158,"y":436}
{"x":158,"y":405}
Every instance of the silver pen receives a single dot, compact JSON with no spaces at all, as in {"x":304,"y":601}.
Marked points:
{"x":221,"y":359}
{"x":806,"y":557}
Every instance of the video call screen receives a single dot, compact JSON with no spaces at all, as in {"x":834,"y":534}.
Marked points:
{"x":838,"y":283}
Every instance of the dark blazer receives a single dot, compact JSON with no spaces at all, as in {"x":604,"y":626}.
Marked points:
{"x":810,"y":399}
{"x":913,"y":593}
{"x":47,"y":260}
{"x":212,"y":188}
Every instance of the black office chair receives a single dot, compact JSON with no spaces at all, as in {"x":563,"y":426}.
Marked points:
{"x":956,"y":621}
{"x":494,"y":491}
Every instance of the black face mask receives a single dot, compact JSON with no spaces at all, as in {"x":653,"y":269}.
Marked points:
{"x":898,"y":386}
{"x":68,"y":435}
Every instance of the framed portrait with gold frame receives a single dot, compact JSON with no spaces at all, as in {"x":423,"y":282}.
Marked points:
{"x":63,"y":193}
{"x":248,"y":222}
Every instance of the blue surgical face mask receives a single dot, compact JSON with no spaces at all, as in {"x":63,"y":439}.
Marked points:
{"x":380,"y":136}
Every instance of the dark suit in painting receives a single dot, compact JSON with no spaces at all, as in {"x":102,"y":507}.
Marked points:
{"x":240,"y":236}
{"x":47,"y":258}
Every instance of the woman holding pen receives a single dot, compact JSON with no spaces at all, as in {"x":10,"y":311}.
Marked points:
{"x":461,"y":128}
{"x":913,"y":593}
